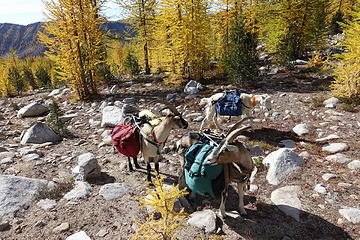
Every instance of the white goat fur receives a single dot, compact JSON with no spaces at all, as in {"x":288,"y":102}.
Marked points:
{"x":263,"y":101}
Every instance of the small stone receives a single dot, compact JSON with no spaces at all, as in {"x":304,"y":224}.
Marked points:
{"x":113,"y":190}
{"x":328,"y":176}
{"x":332,"y":100}
{"x":4,"y":226}
{"x":253,"y":188}
{"x":354,"y":165}
{"x":335,"y":147}
{"x":305,"y":155}
{"x":47,"y":204}
{"x":40,"y":224}
{"x":319,"y":188}
{"x":338,"y":157}
{"x":351,"y":214}
{"x":79,"y":236}
{"x":330,"y":137}
{"x":345,"y":185}
{"x":102,"y":233}
{"x":61,"y":228}
{"x":301,"y":129}
{"x":288,"y":143}
{"x":205,"y":220}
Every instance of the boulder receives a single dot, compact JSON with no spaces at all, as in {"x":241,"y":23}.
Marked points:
{"x":335,"y":147}
{"x":79,"y":236}
{"x":193,"y":87}
{"x":282,"y":163}
{"x":301,"y":129}
{"x":17,"y":194}
{"x":40,"y":133}
{"x":113,"y":190}
{"x":351,"y":214}
{"x":111,"y":116}
{"x":205,"y":220}
{"x":80,"y":192}
{"x":287,"y":200}
{"x":87,"y":167}
{"x":32,"y":110}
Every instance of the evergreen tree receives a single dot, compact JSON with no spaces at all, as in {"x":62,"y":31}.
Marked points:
{"x":75,"y":42}
{"x":16,"y":80}
{"x":347,"y":73}
{"x":29,"y":78}
{"x":131,"y":64}
{"x":241,"y":59}
{"x":55,"y":121}
{"x":43,"y":77}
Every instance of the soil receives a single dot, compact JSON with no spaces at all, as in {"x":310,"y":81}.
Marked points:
{"x":296,"y":92}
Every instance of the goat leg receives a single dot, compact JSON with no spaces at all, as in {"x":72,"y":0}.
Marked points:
{"x":222,"y":204}
{"x":137,"y":166}
{"x":148,"y":170}
{"x":240,"y":187}
{"x":130,"y":165}
{"x":157,"y":167}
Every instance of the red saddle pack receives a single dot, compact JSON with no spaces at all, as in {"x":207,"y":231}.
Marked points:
{"x":126,"y":139}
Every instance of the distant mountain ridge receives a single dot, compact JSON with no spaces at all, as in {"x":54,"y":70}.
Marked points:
{"x":23,"y":38}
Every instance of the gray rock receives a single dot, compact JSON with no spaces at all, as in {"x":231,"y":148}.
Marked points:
{"x":54,"y":92}
{"x":7,"y":155}
{"x":288,"y":143}
{"x":205,"y":220}
{"x":335,"y":147}
{"x":338,"y":158}
{"x":301,"y":129}
{"x":193,"y":87}
{"x":61,"y":228}
{"x":171,"y":97}
{"x":114,"y":89}
{"x":256,"y":150}
{"x":127,"y":108}
{"x":6,"y":161}
{"x":199,"y":119}
{"x":354,"y":165}
{"x":31,"y":157}
{"x":319,"y":188}
{"x":128,"y":100}
{"x":4,"y":226}
{"x":80,"y":192}
{"x":113,"y":190}
{"x":351,"y":214}
{"x":47,"y":204}
{"x":332,"y":100}
{"x":40,"y":133}
{"x":274,"y":70}
{"x":328,"y":176}
{"x":2,"y":149}
{"x":32,"y":110}
{"x":330,"y":137}
{"x":79,"y":236}
{"x":111,"y":116}
{"x":68,"y":117}
{"x":287,"y":200}
{"x":282,"y":163}
{"x":87,"y":167}
{"x":305,"y":155}
{"x":330,"y":105}
{"x":17,"y":194}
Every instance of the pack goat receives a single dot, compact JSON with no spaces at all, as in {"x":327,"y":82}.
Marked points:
{"x":153,"y":139}
{"x":249,"y":101}
{"x":238,"y":165}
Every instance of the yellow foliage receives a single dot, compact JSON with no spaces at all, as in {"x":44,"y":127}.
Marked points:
{"x":317,"y":60}
{"x":162,"y":200}
{"x":347,"y":72}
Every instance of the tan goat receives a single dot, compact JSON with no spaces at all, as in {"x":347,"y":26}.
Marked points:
{"x":238,"y":165}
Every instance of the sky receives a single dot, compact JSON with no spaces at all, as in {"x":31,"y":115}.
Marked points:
{"x":25,"y":12}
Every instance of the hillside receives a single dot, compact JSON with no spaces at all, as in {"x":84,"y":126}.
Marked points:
{"x":23,"y":39}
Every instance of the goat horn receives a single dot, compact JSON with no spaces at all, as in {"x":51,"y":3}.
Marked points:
{"x":232,"y":135}
{"x":171,"y":107}
{"x":236,"y":125}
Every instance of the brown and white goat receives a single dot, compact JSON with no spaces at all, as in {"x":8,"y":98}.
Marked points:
{"x":238,"y":165}
{"x":249,"y":102}
{"x":153,"y":139}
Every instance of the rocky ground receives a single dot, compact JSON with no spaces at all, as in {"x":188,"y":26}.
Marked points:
{"x":318,"y":199}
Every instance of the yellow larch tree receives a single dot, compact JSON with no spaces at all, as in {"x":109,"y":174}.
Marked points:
{"x":74,"y":41}
{"x":183,"y":36}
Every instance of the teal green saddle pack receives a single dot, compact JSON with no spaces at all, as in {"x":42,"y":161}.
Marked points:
{"x":199,"y":175}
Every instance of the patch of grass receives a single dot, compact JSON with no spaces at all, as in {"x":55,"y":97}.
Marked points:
{"x":348,"y":107}
{"x":258,"y":161}
{"x":58,"y":191}
{"x":317,"y":102}
{"x":262,"y":144}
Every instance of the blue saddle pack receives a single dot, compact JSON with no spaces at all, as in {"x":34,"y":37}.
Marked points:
{"x":230,"y":104}
{"x":201,"y":177}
